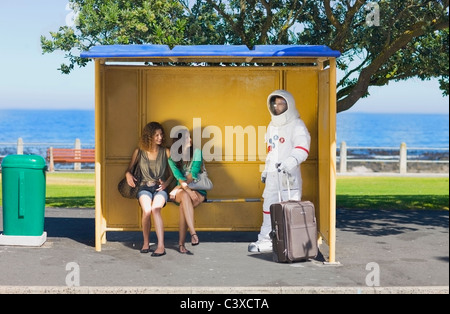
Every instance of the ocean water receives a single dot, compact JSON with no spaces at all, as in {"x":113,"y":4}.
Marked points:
{"x":47,"y":126}
{"x":390,"y":130}
{"x":62,"y":127}
{"x":41,"y":129}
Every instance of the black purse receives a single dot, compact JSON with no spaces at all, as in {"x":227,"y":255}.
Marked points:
{"x":127,"y":191}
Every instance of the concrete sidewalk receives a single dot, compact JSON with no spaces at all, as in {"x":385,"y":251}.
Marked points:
{"x":401,"y":251}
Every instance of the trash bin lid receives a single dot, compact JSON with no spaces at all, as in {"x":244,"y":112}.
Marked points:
{"x":24,"y":161}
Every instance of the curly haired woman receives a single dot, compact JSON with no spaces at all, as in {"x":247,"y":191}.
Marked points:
{"x":152,"y":156}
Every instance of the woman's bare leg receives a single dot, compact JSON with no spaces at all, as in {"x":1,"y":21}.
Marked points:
{"x":146,"y":205}
{"x":187,"y":214}
{"x":158,"y":204}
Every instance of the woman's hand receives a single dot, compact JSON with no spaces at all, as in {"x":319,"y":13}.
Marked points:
{"x":189,"y":178}
{"x":162,"y":185}
{"x":131,"y":180}
{"x":193,"y":195}
{"x":184,"y":185}
{"x":174,"y":192}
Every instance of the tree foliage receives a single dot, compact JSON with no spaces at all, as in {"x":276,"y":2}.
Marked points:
{"x":380,"y":41}
{"x":112,"y":22}
{"x":410,"y":41}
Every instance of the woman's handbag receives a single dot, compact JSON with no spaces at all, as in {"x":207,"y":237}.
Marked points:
{"x":203,"y":182}
{"x":127,"y":191}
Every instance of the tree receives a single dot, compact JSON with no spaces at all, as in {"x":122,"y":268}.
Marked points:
{"x":109,"y":22}
{"x":258,"y":22}
{"x":380,"y":41}
{"x":411,"y":40}
{"x":204,"y":26}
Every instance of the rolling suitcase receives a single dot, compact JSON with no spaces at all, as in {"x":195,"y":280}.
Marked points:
{"x":294,"y":230}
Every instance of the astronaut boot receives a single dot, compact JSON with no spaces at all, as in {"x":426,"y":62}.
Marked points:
{"x":260,"y":246}
{"x":264,"y":243}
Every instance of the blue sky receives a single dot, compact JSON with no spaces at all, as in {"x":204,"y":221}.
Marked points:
{"x":31,"y":80}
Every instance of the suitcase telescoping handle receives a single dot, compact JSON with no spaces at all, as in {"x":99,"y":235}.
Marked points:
{"x":279,"y":183}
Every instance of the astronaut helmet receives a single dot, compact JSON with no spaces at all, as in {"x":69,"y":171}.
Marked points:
{"x":282,"y":108}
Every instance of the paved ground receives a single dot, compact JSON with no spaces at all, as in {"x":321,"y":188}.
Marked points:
{"x":398,"y":251}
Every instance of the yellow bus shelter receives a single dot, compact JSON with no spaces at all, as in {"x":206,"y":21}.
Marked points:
{"x":219,"y":93}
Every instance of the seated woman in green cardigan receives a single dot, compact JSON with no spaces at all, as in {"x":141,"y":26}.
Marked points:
{"x":187,"y":166}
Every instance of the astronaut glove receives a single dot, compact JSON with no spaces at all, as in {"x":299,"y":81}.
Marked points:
{"x":264,"y":177}
{"x":287,"y":165}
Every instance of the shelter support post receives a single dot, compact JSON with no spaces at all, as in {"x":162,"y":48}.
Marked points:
{"x":100,"y":234}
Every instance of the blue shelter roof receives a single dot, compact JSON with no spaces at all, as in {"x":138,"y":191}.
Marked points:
{"x":163,"y":51}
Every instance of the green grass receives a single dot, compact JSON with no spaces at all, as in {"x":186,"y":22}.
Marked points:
{"x":392,"y":193}
{"x":69,"y":190}
{"x":77,"y":190}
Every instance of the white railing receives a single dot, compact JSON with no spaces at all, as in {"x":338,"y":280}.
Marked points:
{"x":402,"y":156}
{"x":20,"y":148}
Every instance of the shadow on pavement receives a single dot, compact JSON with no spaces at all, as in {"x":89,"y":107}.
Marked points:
{"x":363,"y":222}
{"x":83,"y":230}
{"x":389,"y":222}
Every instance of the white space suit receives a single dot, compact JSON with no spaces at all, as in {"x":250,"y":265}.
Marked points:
{"x":288,"y":143}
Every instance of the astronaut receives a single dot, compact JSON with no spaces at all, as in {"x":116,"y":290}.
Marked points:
{"x":288,"y":143}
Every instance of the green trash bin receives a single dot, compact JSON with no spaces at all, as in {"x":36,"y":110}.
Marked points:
{"x":23,"y":191}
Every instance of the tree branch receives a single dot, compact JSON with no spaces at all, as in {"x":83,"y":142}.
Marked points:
{"x":331,"y":16}
{"x":359,"y":67}
{"x":361,"y":87}
{"x":236,"y":28}
{"x":185,"y":5}
{"x":294,"y":12}
{"x":267,"y":23}
{"x":344,"y":29}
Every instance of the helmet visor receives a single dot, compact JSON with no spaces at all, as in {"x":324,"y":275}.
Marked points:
{"x":278,"y":105}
